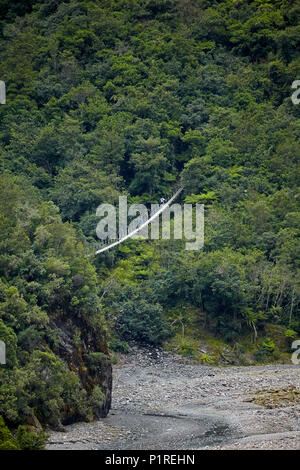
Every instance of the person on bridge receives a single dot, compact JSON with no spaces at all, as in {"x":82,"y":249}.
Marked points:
{"x":162,"y":201}
{"x":139,"y":221}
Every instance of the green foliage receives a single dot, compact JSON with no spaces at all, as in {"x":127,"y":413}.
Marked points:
{"x":44,"y":268}
{"x":291,"y":334}
{"x":206,"y":359}
{"x":23,"y":440}
{"x":29,"y":440}
{"x":266,"y":351}
{"x":7,"y":442}
{"x":127,"y":97}
{"x":9,"y":337}
{"x":186,"y":348}
{"x":142,"y":321}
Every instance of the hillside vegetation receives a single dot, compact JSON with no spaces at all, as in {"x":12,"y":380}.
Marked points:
{"x":127,"y":97}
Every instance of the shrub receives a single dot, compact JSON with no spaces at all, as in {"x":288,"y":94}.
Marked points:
{"x":143,"y":322}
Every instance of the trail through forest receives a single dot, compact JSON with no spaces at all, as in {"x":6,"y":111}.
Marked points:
{"x":162,"y":401}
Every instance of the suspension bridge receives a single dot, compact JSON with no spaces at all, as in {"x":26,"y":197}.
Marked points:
{"x":144,"y":224}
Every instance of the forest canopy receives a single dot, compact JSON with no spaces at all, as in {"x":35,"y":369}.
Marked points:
{"x":127,"y":97}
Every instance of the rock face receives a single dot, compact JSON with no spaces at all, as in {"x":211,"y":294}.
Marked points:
{"x":90,"y":360}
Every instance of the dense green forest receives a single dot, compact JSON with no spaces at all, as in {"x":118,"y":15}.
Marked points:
{"x":127,"y":97}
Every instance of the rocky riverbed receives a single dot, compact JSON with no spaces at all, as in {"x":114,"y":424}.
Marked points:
{"x":161,"y":401}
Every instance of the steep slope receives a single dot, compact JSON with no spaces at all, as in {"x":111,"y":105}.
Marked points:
{"x":126,"y":97}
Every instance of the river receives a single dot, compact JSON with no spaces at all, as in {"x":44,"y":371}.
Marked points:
{"x":161,"y":401}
